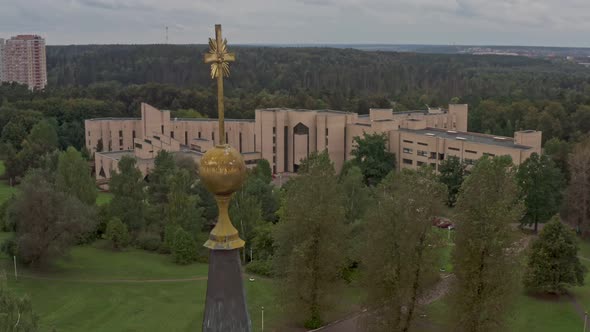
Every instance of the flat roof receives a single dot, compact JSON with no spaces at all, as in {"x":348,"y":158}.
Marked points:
{"x":112,"y":118}
{"x":211,"y":119}
{"x":302,"y":110}
{"x":117,"y":155}
{"x":468,"y":137}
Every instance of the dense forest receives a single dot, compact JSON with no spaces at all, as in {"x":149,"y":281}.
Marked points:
{"x":505,"y":93}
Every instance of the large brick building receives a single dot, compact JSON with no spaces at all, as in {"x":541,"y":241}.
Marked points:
{"x":23,"y":61}
{"x":286,"y":136}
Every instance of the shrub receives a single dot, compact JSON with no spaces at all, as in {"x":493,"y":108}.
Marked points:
{"x":184,"y":247}
{"x":117,"y":233}
{"x":9,"y":247}
{"x":149,"y":241}
{"x":260,"y":267}
{"x":553,"y":263}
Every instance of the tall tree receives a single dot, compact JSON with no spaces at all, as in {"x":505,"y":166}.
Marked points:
{"x":558,"y":150}
{"x":47,"y":221}
{"x":553,"y":262}
{"x":487,"y":205}
{"x":578,"y":191}
{"x":128,"y":203}
{"x":401,"y":258}
{"x":541,"y":184}
{"x":263,"y":170}
{"x":372,"y":157}
{"x":73,"y":176}
{"x":183,"y":207}
{"x":452,"y":174}
{"x":310,"y":237}
{"x":158,"y":188}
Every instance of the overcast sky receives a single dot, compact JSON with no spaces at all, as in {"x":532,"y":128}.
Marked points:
{"x":500,"y":22}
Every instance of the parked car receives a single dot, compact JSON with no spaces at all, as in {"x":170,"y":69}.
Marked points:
{"x":442,"y":222}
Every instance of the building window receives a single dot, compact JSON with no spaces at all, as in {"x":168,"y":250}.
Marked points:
{"x":326,"y":137}
{"x":185,"y":138}
{"x":274,"y":149}
{"x":89,"y":142}
{"x":240,"y":144}
{"x":120,"y":133}
{"x":162,"y":129}
{"x":213,"y":136}
{"x":254,"y":142}
{"x":470,"y":161}
{"x":199,"y":134}
{"x":421,"y":143}
{"x":422,"y":153}
{"x":274,"y":159}
{"x":432,"y":155}
{"x":226,"y":138}
{"x":89,"y":133}
{"x":171,"y":134}
{"x":408,"y":150}
{"x":408,"y":161}
{"x":138,"y":146}
{"x":274,"y":169}
{"x":489,"y":154}
{"x":470,"y":151}
{"x":441,"y":156}
{"x":406,"y":141}
{"x":134,"y":134}
{"x":274,"y":130}
{"x":274,"y":140}
{"x":420,"y":163}
{"x":454,"y":149}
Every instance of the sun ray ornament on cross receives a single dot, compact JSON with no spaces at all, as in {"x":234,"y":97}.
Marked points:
{"x":219,"y":58}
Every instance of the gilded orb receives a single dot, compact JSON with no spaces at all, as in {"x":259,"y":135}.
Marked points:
{"x":222,"y":170}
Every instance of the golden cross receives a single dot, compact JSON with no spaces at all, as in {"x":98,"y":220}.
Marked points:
{"x":219,"y":58}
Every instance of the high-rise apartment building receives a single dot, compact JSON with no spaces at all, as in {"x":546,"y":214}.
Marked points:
{"x":24,"y":62}
{"x":1,"y":60}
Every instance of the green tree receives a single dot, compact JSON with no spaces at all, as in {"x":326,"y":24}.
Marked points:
{"x":309,"y":239}
{"x":48,"y":222}
{"x":183,"y":207}
{"x":578,"y":190}
{"x":356,"y":194}
{"x":452,"y":174}
{"x":128,"y":203}
{"x":159,"y":185}
{"x":16,"y":313}
{"x":553,"y":262}
{"x":487,"y":205}
{"x":73,"y":176}
{"x":372,"y":157}
{"x":117,"y":233}
{"x":402,"y":255}
{"x":541,"y":184}
{"x":246,"y":214}
{"x":263,"y":170}
{"x":184,"y":247}
{"x":559,"y":151}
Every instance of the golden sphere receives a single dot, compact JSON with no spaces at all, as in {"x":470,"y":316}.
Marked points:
{"x":222,"y":170}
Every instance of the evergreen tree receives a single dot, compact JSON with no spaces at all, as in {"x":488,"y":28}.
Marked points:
{"x":263,"y":170}
{"x":402,"y":255}
{"x":487,"y":205}
{"x":73,"y":176}
{"x":553,"y":262}
{"x":309,"y":237}
{"x":184,"y":247}
{"x":128,"y":203}
{"x":541,"y":184}
{"x":452,"y":174}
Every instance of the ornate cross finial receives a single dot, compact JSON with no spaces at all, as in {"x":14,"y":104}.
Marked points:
{"x":219,"y":58}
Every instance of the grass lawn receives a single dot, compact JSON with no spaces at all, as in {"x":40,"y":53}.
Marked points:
{"x":103,"y":198}
{"x":78,"y":305}
{"x":86,"y":292}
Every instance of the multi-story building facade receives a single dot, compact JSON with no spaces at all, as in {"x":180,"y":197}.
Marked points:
{"x":24,"y":61}
{"x":1,"y":60}
{"x":284,"y":137}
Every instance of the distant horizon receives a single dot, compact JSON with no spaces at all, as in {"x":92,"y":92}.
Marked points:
{"x":331,"y":44}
